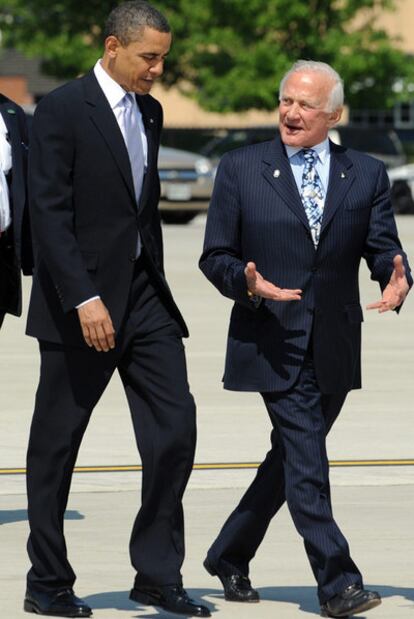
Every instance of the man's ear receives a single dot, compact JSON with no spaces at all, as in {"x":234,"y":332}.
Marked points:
{"x":112,"y":45}
{"x":334,"y":117}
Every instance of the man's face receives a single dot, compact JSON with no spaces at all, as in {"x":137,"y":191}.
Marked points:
{"x":303,"y":119}
{"x":137,"y":65}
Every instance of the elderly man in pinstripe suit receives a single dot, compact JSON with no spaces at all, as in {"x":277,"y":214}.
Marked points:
{"x":287,"y":227}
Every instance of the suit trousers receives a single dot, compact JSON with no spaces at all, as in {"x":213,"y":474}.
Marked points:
{"x":296,"y":469}
{"x":150,"y":359}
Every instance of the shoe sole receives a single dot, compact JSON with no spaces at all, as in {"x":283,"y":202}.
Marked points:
{"x":210,"y":569}
{"x":146,"y":599}
{"x":359,"y":609}
{"x":30,"y":607}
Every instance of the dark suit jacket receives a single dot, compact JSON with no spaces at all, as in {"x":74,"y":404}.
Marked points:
{"x":258,"y":216}
{"x":20,"y":256}
{"x":84,"y":216}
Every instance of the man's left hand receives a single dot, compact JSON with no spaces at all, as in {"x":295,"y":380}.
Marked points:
{"x":395,"y":292}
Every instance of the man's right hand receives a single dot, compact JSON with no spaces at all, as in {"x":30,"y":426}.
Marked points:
{"x":96,"y":324}
{"x":262,"y":288}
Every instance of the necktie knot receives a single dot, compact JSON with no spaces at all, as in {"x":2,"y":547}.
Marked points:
{"x":128,"y":100}
{"x":309,"y":156}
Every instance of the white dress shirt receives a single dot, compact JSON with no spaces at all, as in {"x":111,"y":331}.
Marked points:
{"x":5,"y":167}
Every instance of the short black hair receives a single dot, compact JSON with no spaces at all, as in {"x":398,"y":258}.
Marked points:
{"x":127,"y":21}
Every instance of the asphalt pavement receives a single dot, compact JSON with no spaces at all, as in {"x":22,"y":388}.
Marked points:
{"x":371,"y":448}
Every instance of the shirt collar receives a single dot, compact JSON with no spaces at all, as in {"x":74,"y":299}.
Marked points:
{"x":112,"y":90}
{"x":322,"y":150}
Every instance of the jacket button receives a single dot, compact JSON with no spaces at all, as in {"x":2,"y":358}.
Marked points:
{"x":314,"y":269}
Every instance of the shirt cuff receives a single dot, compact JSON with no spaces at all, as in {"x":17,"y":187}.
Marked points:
{"x":87,"y":301}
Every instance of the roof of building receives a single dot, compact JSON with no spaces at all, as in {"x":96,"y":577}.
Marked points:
{"x":14,"y":63}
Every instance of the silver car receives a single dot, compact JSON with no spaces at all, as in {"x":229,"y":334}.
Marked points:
{"x":186,"y":184}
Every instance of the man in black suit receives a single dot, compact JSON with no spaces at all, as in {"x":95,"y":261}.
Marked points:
{"x":100,"y":302}
{"x":15,"y":249}
{"x":287,"y":227}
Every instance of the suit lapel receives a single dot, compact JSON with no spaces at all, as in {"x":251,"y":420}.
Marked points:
{"x":278,"y":173}
{"x":341,"y":177}
{"x":104,"y":119}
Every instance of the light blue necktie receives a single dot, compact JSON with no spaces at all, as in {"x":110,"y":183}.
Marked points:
{"x":311,"y":193}
{"x":133,"y":142}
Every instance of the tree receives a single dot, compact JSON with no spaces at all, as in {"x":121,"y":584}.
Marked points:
{"x":229,"y":55}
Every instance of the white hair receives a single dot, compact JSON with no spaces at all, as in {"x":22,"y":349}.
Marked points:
{"x":336,"y":95}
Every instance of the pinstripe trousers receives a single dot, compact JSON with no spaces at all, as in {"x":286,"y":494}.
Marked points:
{"x":296,"y":469}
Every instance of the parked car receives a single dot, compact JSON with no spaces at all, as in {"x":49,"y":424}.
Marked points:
{"x":384,"y":144}
{"x":229,"y":139}
{"x":186,"y":184}
{"x":402,"y":189}
{"x":189,"y":138}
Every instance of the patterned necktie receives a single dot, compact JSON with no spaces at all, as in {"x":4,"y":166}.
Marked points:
{"x":133,"y":141}
{"x":311,"y":194}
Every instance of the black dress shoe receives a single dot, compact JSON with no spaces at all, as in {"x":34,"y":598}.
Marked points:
{"x":237,"y":588}
{"x":58,"y":604}
{"x":172,"y":598}
{"x":350,"y":602}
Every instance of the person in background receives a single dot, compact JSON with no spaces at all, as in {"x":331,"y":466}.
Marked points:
{"x":15,"y":242}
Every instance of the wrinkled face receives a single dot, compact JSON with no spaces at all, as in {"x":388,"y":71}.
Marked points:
{"x":137,"y":65}
{"x":303,"y":119}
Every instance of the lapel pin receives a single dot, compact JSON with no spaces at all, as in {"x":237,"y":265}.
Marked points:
{"x":343,"y":175}
{"x":151,"y":120}
{"x":11,"y":111}
{"x":276,"y":173}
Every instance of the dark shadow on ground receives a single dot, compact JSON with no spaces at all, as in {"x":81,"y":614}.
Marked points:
{"x":303,"y":597}
{"x":306,"y":599}
{"x":9,"y":516}
{"x":119,"y":600}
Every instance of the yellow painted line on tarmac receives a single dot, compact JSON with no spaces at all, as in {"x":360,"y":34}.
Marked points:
{"x":404,"y":462}
{"x":212,"y":466}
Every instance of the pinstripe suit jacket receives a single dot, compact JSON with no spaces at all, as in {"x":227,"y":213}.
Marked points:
{"x":258,"y":216}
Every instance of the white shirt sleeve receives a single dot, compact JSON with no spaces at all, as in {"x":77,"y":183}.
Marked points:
{"x":87,"y":301}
